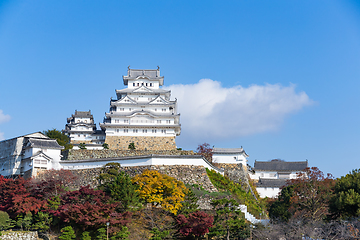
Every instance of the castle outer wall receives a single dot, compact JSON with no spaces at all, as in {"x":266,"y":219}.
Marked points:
{"x":141,"y":142}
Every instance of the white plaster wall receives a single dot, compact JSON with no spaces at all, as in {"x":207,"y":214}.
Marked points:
{"x":268,"y":192}
{"x":235,"y":158}
{"x":77,"y":119}
{"x":73,"y":164}
{"x":149,"y":133}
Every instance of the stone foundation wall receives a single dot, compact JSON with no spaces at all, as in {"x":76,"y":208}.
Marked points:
{"x":141,"y":142}
{"x":235,"y":172}
{"x":81,"y":154}
{"x":186,"y":174}
{"x":20,"y":235}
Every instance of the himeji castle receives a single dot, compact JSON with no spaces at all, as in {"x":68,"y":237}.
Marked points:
{"x":142,"y":114}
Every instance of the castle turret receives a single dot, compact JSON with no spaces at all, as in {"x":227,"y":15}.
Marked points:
{"x":142,"y":114}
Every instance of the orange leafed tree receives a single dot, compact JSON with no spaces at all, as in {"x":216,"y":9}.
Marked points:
{"x":161,"y":190}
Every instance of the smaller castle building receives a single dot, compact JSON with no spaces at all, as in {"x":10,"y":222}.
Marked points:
{"x":81,"y":128}
{"x":271,"y":176}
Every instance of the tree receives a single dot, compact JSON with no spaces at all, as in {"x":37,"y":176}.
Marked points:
{"x":61,"y":138}
{"x":307,"y":198}
{"x":90,"y":209}
{"x":205,"y":150}
{"x":132,"y":146}
{"x":52,"y":183}
{"x":197,"y":224}
{"x":105,"y":146}
{"x":279,"y":209}
{"x":123,"y":190}
{"x":189,"y":205}
{"x":160,"y":190}
{"x":17,"y":199}
{"x":67,"y":233}
{"x":82,"y":146}
{"x":109,"y":172}
{"x":228,"y":221}
{"x":346,"y":200}
{"x":85,"y":236}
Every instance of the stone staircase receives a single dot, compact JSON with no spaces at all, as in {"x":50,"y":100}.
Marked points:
{"x":251,"y":218}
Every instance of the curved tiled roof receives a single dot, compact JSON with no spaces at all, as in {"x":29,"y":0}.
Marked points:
{"x":44,"y":143}
{"x":280,"y":165}
{"x":271,"y":183}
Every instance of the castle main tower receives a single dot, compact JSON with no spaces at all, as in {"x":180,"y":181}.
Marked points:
{"x":142,"y":114}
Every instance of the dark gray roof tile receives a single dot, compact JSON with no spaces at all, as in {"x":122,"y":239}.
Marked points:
{"x":280,"y":165}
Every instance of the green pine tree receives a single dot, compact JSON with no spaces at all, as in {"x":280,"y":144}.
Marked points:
{"x":67,"y":233}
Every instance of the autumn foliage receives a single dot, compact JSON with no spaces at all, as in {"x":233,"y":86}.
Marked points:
{"x":196,"y":224}
{"x":88,"y":208}
{"x":18,"y":198}
{"x":160,"y":190}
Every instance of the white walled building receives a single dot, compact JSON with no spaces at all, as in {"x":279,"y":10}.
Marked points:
{"x":230,"y":155}
{"x":81,"y":128}
{"x":28,"y":154}
{"x":270,"y":176}
{"x":142,"y":113}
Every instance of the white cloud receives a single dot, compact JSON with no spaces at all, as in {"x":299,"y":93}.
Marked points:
{"x":210,"y":111}
{"x":3,"y":118}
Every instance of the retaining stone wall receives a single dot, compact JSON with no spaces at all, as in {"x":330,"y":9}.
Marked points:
{"x":187,"y":174}
{"x":10,"y":235}
{"x":81,"y":154}
{"x":141,"y":142}
{"x":236,"y":173}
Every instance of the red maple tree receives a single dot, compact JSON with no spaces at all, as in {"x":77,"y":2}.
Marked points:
{"x":196,"y":224}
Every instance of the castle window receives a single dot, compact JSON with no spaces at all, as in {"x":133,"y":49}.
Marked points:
{"x":129,"y":109}
{"x":116,"y":120}
{"x":146,"y":84}
{"x":158,"y":121}
{"x":121,"y":109}
{"x":126,"y":121}
{"x":78,"y":135}
{"x":155,"y":109}
{"x":117,"y":130}
{"x":164,"y":109}
{"x":154,"y":131}
{"x":163,"y":131}
{"x":150,"y":84}
{"x":168,"y":121}
{"x":133,"y":84}
{"x":137,"y":84}
{"x":135,"y":130}
{"x":85,"y":120}
{"x":144,"y":130}
{"x":126,"y":130}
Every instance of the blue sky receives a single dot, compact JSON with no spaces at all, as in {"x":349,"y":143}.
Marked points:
{"x":280,"y":78}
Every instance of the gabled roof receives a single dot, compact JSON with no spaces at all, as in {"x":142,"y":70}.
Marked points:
{"x":280,"y":165}
{"x":43,"y":143}
{"x":126,"y":98}
{"x":142,"y":89}
{"x":154,"y":101}
{"x":41,"y":154}
{"x":229,"y":151}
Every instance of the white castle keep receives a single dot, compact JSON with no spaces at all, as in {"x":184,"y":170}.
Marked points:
{"x":142,"y":114}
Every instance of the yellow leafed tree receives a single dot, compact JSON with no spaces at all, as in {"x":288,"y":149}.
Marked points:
{"x":161,"y":189}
